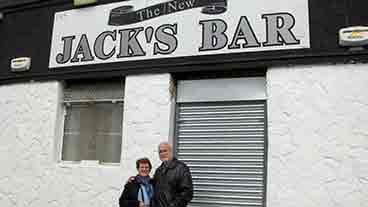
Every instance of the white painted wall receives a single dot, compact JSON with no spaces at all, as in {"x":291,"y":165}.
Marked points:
{"x":147,"y":109}
{"x":318,"y":140}
{"x":30,"y":175}
{"x":318,"y":136}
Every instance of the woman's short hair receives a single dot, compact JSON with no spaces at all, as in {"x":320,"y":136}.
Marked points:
{"x":143,"y":161}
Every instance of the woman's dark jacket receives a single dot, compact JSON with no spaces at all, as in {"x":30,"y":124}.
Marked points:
{"x":129,"y":197}
{"x":172,"y":185}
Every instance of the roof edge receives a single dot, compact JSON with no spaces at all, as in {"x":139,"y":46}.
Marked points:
{"x":15,"y":4}
{"x":11,"y":5}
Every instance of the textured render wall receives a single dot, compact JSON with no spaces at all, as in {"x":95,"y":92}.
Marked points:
{"x":27,"y":118}
{"x":30,"y":175}
{"x":318,"y":136}
{"x":147,"y":111}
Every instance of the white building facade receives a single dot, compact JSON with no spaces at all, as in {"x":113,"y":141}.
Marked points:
{"x":316,"y":122}
{"x":262,"y":100}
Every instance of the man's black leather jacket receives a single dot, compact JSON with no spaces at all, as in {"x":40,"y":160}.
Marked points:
{"x":173,"y":185}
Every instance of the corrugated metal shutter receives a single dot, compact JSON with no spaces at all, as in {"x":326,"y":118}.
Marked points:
{"x":223,"y":143}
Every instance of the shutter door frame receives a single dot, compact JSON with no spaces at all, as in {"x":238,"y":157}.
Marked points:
{"x":229,"y":103}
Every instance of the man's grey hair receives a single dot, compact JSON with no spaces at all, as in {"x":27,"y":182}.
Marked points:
{"x":164,"y":143}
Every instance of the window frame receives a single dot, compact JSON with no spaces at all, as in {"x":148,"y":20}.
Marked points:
{"x":63,"y":113}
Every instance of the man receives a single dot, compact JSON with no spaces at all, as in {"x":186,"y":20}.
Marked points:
{"x":172,"y":180}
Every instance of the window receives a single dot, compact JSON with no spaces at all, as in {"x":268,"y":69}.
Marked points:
{"x":93,"y":121}
{"x":221,"y":133}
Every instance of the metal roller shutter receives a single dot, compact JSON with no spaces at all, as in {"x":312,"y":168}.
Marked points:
{"x":224,"y":144}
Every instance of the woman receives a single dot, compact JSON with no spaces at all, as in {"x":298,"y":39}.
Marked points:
{"x":138,"y":192}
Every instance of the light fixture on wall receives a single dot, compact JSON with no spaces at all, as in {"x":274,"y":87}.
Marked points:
{"x":356,"y":36}
{"x":20,"y":64}
{"x":1,"y":16}
{"x":79,"y":3}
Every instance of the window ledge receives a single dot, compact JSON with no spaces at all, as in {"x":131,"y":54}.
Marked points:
{"x":87,"y":164}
